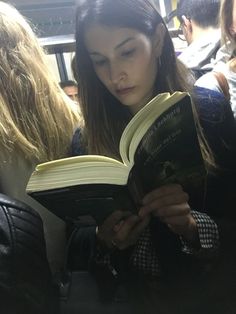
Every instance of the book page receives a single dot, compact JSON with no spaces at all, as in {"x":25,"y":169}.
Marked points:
{"x":132,"y":126}
{"x":78,"y":170}
{"x":73,"y":161}
{"x":141,"y":122}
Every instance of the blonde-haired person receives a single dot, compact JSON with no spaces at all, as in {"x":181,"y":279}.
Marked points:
{"x":37,"y":119}
{"x":225,"y":63}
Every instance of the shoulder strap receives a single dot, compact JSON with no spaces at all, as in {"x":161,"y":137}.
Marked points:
{"x":223,"y":83}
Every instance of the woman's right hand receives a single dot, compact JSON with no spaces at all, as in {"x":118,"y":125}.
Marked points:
{"x":120,"y":230}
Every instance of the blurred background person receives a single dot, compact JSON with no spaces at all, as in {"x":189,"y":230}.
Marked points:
{"x":71,"y":89}
{"x":223,"y":76}
{"x":200,"y":26}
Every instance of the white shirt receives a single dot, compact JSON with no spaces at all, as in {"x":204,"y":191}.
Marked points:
{"x":221,"y":65}
{"x":201,"y":51}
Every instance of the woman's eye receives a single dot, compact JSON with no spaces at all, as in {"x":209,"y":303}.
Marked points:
{"x":128,"y":53}
{"x":99,"y":62}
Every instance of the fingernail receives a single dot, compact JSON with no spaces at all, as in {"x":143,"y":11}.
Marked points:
{"x":137,"y":218}
{"x":145,"y":200}
{"x":141,"y":212}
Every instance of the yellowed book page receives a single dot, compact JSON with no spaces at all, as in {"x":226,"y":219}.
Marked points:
{"x":77,"y":170}
{"x":132,"y":126}
{"x":138,"y":126}
{"x":73,"y":161}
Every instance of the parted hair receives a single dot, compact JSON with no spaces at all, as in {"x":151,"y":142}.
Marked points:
{"x":104,"y":116}
{"x":37,"y":120}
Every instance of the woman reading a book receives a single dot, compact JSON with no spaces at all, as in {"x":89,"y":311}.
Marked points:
{"x":124,"y":57}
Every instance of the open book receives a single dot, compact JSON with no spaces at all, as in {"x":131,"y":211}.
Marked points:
{"x":158,"y":146}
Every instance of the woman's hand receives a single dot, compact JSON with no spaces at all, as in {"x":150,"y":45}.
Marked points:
{"x":120,"y":230}
{"x":170,"y":204}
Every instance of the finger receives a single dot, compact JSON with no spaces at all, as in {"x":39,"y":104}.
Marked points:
{"x":117,"y":227}
{"x":126,"y":228}
{"x":111,"y":221}
{"x":138,"y":229}
{"x":162,"y":191}
{"x":163,"y":202}
{"x":173,"y":210}
{"x":105,"y":231}
{"x":180,"y":220}
{"x":133,"y":235}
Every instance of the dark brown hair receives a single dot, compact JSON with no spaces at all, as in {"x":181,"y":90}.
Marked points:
{"x":105,"y":117}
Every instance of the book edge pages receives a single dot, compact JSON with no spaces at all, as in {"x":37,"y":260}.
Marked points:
{"x":48,"y":176}
{"x":151,"y":119}
{"x":142,"y":121}
{"x":132,"y":126}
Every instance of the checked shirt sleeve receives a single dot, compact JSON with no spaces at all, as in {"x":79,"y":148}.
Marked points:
{"x":208,"y":236}
{"x":143,"y":257}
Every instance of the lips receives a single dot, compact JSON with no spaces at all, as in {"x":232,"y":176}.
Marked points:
{"x":124,"y":91}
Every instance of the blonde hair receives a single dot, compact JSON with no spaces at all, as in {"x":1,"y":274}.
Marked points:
{"x":37,"y":119}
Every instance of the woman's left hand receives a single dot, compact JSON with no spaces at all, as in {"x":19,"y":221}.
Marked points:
{"x":170,"y":204}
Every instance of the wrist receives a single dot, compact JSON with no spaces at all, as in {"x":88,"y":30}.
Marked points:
{"x":190,"y":233}
{"x":104,"y":247}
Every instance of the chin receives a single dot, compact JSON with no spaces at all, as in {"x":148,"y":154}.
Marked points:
{"x":128,"y":104}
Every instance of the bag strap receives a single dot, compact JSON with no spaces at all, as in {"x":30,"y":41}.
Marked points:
{"x":223,"y":83}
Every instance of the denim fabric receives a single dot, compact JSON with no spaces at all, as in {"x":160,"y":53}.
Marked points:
{"x":218,"y":124}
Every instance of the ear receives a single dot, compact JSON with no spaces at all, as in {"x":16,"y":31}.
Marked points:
{"x":187,"y":24}
{"x":187,"y":28}
{"x":158,"y":39}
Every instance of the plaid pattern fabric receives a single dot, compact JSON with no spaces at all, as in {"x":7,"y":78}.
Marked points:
{"x":208,"y":235}
{"x":144,"y":257}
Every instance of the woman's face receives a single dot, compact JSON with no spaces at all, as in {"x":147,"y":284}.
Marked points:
{"x":125,"y":61}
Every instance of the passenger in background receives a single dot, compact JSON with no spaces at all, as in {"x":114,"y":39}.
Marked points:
{"x":37,"y":120}
{"x":71,"y":89}
{"x":199,"y":23}
{"x":225,"y":64}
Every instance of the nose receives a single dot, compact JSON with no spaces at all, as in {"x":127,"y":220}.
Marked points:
{"x":116,"y":74}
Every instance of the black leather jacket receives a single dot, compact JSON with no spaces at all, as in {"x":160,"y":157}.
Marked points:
{"x":25,"y":278}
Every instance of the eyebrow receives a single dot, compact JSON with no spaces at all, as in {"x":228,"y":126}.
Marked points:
{"x":116,"y":47}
